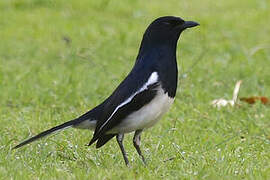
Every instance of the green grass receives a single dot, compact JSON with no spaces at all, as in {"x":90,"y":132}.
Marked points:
{"x":45,"y":80}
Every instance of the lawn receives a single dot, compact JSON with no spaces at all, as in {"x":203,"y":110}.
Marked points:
{"x":59,"y":59}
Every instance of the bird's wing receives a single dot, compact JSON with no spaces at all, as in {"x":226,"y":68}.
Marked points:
{"x":118,"y":110}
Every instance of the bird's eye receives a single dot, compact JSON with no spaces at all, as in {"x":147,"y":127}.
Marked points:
{"x":174,"y":23}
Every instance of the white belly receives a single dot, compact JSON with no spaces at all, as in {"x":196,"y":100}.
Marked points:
{"x":144,"y":118}
{"x":147,"y":116}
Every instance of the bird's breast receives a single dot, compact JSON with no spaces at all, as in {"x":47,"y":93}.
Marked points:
{"x":146,"y":116}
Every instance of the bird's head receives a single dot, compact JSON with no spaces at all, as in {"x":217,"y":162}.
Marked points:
{"x":166,"y":31}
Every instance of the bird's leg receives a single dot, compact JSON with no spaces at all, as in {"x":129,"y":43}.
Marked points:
{"x":120,"y":138}
{"x":137,"y":143}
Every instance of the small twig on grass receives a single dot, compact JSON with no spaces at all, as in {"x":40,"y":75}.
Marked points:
{"x":193,"y":65}
{"x":224,"y":141}
{"x":198,"y":59}
{"x":169,"y":159}
{"x":87,"y":57}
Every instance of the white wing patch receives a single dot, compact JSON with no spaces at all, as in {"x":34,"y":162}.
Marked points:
{"x":151,"y":80}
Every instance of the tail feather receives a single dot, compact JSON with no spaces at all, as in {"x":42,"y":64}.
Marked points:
{"x":49,"y":131}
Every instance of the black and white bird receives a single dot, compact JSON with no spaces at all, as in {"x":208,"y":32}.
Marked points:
{"x":142,"y":97}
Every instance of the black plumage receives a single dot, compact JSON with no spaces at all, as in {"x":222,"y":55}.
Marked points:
{"x":143,"y":96}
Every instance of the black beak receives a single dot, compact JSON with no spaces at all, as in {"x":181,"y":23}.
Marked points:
{"x":189,"y":24}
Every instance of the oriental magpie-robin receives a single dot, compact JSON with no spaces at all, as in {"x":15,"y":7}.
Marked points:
{"x":143,"y":96}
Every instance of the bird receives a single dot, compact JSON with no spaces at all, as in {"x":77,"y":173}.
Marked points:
{"x":142,"y":97}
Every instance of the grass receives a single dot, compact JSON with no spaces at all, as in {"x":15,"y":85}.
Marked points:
{"x":60,"y":58}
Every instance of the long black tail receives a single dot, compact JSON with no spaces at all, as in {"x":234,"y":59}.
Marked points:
{"x":48,"y":132}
